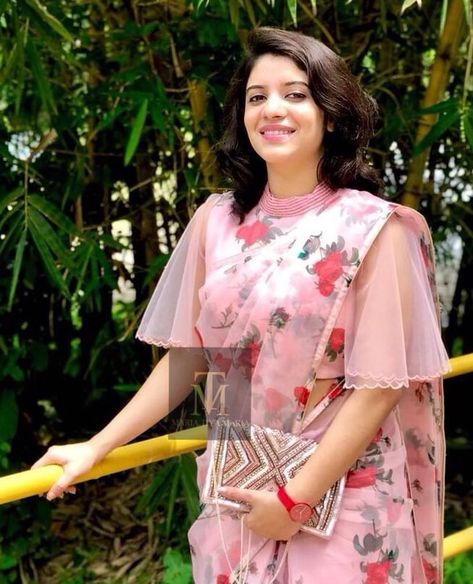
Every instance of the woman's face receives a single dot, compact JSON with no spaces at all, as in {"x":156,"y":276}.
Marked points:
{"x":284,"y":125}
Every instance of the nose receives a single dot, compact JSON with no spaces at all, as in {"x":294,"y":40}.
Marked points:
{"x":275,"y":107}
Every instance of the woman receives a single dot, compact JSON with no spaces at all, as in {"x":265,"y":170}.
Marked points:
{"x":331,"y":291}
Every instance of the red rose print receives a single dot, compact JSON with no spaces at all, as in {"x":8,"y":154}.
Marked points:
{"x":378,"y":573}
{"x":222,"y":579}
{"x":253,"y":232}
{"x":326,"y":287}
{"x":301,"y":394}
{"x":430,"y":571}
{"x":337,"y":340}
{"x":363,"y":477}
{"x":249,"y":355}
{"x":328,"y":270}
{"x":222,"y":363}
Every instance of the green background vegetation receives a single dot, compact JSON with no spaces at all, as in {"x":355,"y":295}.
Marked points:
{"x":109,"y":112}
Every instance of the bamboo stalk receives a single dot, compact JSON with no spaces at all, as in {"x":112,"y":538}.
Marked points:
{"x":446,"y":52}
{"x":198,"y":101}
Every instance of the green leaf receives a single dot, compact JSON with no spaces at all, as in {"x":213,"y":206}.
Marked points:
{"x":51,"y":238}
{"x":250,"y":11}
{"x":172,"y":499}
{"x":16,"y":268}
{"x":153,"y":495}
{"x":54,"y":214}
{"x":8,"y":416}
{"x":468,"y":125}
{"x":5,"y":217}
{"x":11,"y":61}
{"x":126,"y":387}
{"x":44,"y":88}
{"x":16,"y":225}
{"x":468,"y":13}
{"x":445,"y":122}
{"x":292,"y":6}
{"x":191,"y":494}
{"x":136,"y":131}
{"x":448,"y":105}
{"x":176,"y":570}
{"x":49,"y":19}
{"x":21,"y":35}
{"x":48,"y":260}
{"x":234,"y":9}
{"x":8,"y":198}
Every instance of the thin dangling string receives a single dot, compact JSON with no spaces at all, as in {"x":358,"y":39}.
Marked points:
{"x":232,"y":577}
{"x":239,"y":576}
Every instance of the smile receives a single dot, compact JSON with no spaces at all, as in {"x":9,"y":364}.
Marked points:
{"x":276,"y":132}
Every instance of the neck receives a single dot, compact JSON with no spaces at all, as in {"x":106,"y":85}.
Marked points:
{"x":284,"y":183}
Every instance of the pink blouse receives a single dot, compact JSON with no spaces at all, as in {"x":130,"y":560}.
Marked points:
{"x":374,"y":332}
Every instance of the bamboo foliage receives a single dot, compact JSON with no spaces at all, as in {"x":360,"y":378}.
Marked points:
{"x":109,"y":113}
{"x":446,"y":52}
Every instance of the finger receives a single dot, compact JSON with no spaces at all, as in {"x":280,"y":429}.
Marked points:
{"x":57,"y":490}
{"x":43,"y":461}
{"x":51,"y":456}
{"x":237,"y":494}
{"x":71,"y":490}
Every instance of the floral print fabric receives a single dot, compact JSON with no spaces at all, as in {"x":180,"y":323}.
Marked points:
{"x":278,"y":286}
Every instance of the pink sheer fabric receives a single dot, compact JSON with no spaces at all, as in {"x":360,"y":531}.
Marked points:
{"x":171,"y":314}
{"x":389,"y":320}
{"x":271,"y":285}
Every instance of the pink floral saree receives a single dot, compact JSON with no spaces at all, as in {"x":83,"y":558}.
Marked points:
{"x":329,"y":279}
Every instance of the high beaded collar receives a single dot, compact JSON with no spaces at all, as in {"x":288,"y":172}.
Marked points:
{"x":282,"y":207}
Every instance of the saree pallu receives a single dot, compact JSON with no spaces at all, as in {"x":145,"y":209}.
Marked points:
{"x":273,"y":287}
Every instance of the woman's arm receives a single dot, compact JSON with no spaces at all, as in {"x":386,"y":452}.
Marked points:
{"x":164,"y":389}
{"x":344,"y":442}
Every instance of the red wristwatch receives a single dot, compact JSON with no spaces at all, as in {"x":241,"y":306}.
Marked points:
{"x":299,"y":512}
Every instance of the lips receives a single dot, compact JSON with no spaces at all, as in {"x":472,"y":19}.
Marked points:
{"x":276,"y":130}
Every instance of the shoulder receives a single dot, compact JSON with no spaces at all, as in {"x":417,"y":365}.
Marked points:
{"x":365,"y":201}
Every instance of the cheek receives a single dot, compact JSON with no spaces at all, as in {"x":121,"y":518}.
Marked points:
{"x":248,"y":120}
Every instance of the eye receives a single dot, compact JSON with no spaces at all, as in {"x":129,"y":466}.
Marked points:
{"x":296,"y":95}
{"x":256,"y":98}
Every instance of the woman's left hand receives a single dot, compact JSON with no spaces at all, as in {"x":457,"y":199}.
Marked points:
{"x":268,"y":517}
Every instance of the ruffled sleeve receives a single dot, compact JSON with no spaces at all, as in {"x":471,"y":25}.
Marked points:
{"x":392,"y":330}
{"x":171,"y":314}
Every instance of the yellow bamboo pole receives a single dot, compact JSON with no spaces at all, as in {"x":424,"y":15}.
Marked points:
{"x":35,"y":482}
{"x":460,"y":365}
{"x":458,"y":542}
{"x":38,"y":481}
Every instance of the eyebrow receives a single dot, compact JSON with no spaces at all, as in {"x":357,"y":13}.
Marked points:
{"x":288,"y":84}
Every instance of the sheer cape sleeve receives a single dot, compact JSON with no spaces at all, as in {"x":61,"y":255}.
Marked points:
{"x":170,"y":317}
{"x":392,"y":331}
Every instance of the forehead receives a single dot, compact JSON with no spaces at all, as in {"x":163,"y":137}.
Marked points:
{"x":273,"y":69}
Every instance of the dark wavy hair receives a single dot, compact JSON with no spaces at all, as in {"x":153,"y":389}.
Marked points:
{"x":335,"y":90}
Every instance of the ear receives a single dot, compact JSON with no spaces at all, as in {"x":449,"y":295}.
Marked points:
{"x":330,"y":126}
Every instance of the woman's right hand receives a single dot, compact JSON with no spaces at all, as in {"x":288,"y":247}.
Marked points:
{"x":76,"y":459}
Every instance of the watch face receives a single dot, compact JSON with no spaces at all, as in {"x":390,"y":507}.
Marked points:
{"x":301,"y":512}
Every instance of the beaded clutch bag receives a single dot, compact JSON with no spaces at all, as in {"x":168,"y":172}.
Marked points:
{"x":249,"y":456}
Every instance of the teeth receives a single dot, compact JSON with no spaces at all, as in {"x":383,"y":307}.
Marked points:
{"x":277,"y":132}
